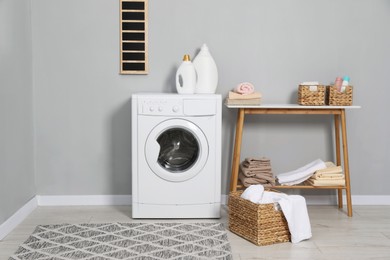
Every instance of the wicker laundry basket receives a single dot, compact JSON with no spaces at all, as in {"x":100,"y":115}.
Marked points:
{"x":261,"y":224}
{"x":311,"y":95}
{"x":337,"y":98}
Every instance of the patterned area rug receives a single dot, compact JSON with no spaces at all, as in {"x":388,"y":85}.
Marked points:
{"x":146,"y":241}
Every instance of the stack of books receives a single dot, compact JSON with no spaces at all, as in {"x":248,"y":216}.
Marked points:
{"x":234,"y":98}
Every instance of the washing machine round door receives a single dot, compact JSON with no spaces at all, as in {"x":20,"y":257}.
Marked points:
{"x":176,"y":150}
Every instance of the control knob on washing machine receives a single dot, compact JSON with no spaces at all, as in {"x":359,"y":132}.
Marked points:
{"x":175,"y":109}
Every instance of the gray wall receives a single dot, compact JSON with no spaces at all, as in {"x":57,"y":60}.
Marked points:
{"x":82,"y":105}
{"x":16,"y":116}
{"x":83,"y":122}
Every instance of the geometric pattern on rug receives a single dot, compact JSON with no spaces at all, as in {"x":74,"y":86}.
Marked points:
{"x":136,"y":241}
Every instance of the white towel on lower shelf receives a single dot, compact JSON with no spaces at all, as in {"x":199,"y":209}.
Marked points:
{"x":298,"y":174}
{"x":296,"y":181}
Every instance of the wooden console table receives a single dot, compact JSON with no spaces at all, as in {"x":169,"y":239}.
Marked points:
{"x":291,"y":109}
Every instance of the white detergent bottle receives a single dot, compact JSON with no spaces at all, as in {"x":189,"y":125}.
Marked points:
{"x":207,"y":72}
{"x":186,"y":77}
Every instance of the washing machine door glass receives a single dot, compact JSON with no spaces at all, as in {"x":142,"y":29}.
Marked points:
{"x":179,"y":150}
{"x":176,"y":150}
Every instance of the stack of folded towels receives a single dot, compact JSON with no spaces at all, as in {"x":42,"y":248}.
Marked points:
{"x":316,"y":173}
{"x":244,"y":94}
{"x":332,"y":175}
{"x":256,"y":171}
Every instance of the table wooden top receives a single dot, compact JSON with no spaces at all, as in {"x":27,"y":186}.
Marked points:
{"x":290,"y":106}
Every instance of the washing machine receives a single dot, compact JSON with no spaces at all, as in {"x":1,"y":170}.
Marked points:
{"x":176,"y":156}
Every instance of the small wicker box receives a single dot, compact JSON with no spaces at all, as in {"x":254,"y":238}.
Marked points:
{"x":337,"y":98}
{"x":261,"y":224}
{"x":311,"y":95}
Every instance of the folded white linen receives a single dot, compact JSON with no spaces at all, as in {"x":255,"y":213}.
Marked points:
{"x":300,"y":173}
{"x":310,"y":83}
{"x":296,"y":181}
{"x":295,"y":211}
{"x":253,"y":193}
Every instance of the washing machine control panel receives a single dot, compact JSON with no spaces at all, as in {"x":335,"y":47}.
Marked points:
{"x":162,"y":107}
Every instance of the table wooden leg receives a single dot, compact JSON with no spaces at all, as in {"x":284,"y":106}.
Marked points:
{"x":338,"y":157}
{"x":346,"y":162}
{"x":237,"y":149}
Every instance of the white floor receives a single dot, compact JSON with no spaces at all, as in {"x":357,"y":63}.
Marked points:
{"x":335,"y":236}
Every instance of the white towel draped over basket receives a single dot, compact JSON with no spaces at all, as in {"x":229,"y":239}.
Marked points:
{"x":293,"y":207}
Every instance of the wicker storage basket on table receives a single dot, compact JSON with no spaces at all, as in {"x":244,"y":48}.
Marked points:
{"x":337,"y":98}
{"x":261,"y":224}
{"x":311,"y":95}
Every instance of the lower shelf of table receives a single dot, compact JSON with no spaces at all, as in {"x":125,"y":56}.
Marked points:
{"x":298,"y":186}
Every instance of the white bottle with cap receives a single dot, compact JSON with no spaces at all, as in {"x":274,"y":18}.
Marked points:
{"x":186,"y":77}
{"x":207,"y":72}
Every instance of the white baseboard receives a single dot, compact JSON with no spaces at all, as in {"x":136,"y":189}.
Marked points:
{"x":17,"y":217}
{"x":107,"y":200}
{"x":84,"y":200}
{"x":370,"y":200}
